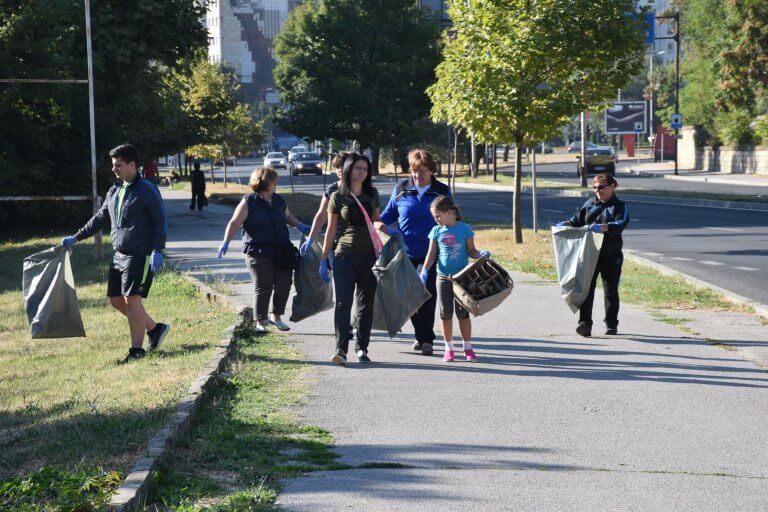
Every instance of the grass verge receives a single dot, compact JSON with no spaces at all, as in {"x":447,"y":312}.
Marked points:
{"x":246,"y":437}
{"x":71,"y":402}
{"x":639,"y":284}
{"x":744,"y":198}
{"x":302,"y":205}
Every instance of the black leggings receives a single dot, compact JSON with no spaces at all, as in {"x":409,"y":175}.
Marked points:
{"x":609,"y":268}
{"x":352,"y":277}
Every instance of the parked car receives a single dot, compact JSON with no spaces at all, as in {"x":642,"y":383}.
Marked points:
{"x":575,"y":146}
{"x":598,"y":160}
{"x":541,"y":148}
{"x":296,"y":149}
{"x":275,"y":160}
{"x":230,"y":161}
{"x":306,"y":162}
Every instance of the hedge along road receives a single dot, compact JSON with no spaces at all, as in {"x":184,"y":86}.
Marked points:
{"x":726,"y":247}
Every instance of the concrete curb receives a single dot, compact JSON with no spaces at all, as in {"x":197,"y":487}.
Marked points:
{"x":134,"y":490}
{"x":760,"y":308}
{"x":681,"y":177}
{"x":677,"y":201}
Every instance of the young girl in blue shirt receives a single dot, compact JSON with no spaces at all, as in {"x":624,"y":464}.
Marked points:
{"x":451,"y":243}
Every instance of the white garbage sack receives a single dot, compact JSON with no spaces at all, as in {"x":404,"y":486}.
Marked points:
{"x":50,"y":299}
{"x":576,"y":254}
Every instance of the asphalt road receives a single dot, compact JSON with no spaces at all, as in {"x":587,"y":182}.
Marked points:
{"x":724,"y":247}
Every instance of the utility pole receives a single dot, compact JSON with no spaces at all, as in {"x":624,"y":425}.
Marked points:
{"x":533,"y":182}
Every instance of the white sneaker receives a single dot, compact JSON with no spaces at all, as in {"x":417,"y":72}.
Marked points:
{"x":280,"y":324}
{"x":260,"y":328}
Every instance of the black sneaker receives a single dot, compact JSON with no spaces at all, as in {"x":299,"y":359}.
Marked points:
{"x":135,"y":353}
{"x":157,"y":335}
{"x":340,"y":359}
{"x":584,"y":330}
{"x":611,"y":331}
{"x":362,"y":356}
{"x":416,"y":346}
{"x":426,"y":349}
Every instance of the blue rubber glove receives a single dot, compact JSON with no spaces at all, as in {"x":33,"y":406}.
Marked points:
{"x":305,"y":247}
{"x":424,"y":275}
{"x":562,"y":224}
{"x":304,"y":228}
{"x":484,"y":254}
{"x":324,"y":275}
{"x":68,"y":241}
{"x":392,"y":231}
{"x":222,"y":249}
{"x":596,"y":228}
{"x":156,"y":261}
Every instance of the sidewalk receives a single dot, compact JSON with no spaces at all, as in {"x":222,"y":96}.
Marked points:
{"x":666,"y":170}
{"x":653,"y":419}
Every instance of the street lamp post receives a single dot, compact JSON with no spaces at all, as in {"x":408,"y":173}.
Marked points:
{"x":676,"y":38}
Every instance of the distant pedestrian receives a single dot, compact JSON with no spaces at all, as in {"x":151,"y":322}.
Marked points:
{"x":136,"y":212}
{"x":198,"y":188}
{"x":451,"y":243}
{"x":263,"y":216}
{"x":607,"y":214}
{"x":409,"y":207}
{"x":322,"y":211}
{"x":150,"y":172}
{"x":356,"y":203}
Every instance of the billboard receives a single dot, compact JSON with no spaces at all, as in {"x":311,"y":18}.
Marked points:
{"x":622,"y":116}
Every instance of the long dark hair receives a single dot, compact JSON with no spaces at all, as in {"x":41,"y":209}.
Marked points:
{"x":346,"y":175}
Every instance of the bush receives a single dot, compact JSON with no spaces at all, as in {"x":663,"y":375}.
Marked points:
{"x":55,"y":489}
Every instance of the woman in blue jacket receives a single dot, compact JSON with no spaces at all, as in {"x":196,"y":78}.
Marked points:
{"x":408,"y":206}
{"x":607,"y":214}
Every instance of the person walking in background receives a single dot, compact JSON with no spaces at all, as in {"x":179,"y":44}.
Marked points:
{"x":409,"y":207}
{"x":322,"y":211}
{"x":451,"y":243}
{"x":607,"y":214}
{"x":357,"y":205}
{"x":263,"y":216}
{"x":198,"y":188}
{"x":136,"y":213}
{"x":150,"y":172}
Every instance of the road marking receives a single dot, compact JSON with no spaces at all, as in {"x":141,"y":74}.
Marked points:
{"x":681,"y":258}
{"x":731,"y":230}
{"x":712,"y":263}
{"x":552,"y":211}
{"x":652,"y":254}
{"x":748,"y":269}
{"x":495,"y":204}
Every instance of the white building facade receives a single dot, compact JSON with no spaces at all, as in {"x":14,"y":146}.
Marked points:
{"x":665,"y":48}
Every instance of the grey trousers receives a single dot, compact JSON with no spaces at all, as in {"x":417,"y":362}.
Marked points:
{"x":268,"y":278}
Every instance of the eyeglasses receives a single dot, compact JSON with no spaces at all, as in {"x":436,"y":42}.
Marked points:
{"x":599,"y":187}
{"x":420,"y":170}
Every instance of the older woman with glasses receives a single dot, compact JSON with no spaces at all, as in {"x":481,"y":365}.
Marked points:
{"x":607,"y":214}
{"x":408,"y":206}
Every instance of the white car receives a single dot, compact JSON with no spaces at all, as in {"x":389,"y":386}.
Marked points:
{"x":275,"y":160}
{"x":296,"y":149}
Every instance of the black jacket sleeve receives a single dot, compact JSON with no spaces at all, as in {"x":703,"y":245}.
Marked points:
{"x":96,"y":222}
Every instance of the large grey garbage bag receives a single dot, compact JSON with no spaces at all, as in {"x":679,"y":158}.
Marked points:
{"x":49,"y":295}
{"x":399,"y":290}
{"x":312,"y":294}
{"x":576,"y":253}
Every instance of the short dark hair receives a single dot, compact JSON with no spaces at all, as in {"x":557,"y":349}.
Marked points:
{"x":196,"y":165}
{"x":606,"y":178}
{"x":338,"y":160}
{"x":126,"y":153}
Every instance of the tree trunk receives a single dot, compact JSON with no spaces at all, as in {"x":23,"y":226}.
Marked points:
{"x":225,"y":172}
{"x":475,"y":161}
{"x":495,"y":169}
{"x":212,"y":178}
{"x":506,"y":153}
{"x":375,"y":156}
{"x":178,"y":162}
{"x":402,"y":158}
{"x":517,"y":225}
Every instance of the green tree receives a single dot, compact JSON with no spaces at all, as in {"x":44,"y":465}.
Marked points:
{"x":519,"y":77}
{"x":356,"y":69}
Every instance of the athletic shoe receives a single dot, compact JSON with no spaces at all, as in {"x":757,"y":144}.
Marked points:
{"x":340,"y":359}
{"x":611,"y":331}
{"x":449,"y":356}
{"x":280,"y":324}
{"x":362,"y":356}
{"x":157,"y":335}
{"x":352,"y":333}
{"x":584,"y":330}
{"x":416,"y":346}
{"x":470,"y":355}
{"x":134,"y":353}
{"x":426,"y":349}
{"x":259,"y":328}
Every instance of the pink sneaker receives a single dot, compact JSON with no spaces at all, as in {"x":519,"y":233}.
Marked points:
{"x":448,"y":356}
{"x":470,"y":355}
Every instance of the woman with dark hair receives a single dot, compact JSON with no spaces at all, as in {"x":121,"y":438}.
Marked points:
{"x":356,"y":204}
{"x":607,"y":214}
{"x":263,"y":216}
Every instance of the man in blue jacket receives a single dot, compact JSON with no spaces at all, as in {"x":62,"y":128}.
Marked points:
{"x":409,"y":207}
{"x":135,"y":210}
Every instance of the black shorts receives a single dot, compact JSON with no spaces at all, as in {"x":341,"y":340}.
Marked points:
{"x":445,"y":301}
{"x":129,"y":275}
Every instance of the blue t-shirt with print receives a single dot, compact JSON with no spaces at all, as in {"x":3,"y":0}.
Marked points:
{"x":452,"y":247}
